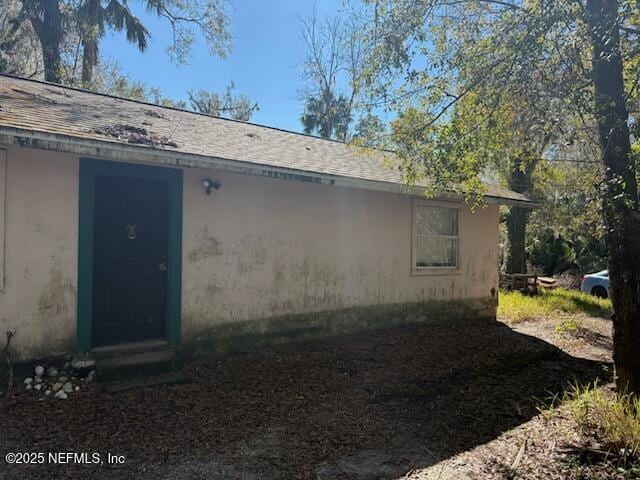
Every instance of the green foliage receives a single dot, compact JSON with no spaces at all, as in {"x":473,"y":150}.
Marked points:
{"x":188,"y":18}
{"x":431,"y":56}
{"x":92,"y":18}
{"x":56,"y":23}
{"x":500,"y":91}
{"x":570,"y":326}
{"x":19,"y":49}
{"x":552,"y":252}
{"x":612,"y":421}
{"x":229,"y":104}
{"x":568,"y":229}
{"x":327,"y":116}
{"x":109,"y":79}
{"x":516,"y":307}
{"x":369,"y":130}
{"x":331,"y":71}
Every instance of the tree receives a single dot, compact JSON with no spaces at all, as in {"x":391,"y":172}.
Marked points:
{"x":620,"y":195}
{"x":55,"y":21}
{"x":369,"y":130}
{"x":47,"y":19}
{"x":188,"y":18}
{"x":209,"y":18}
{"x":327,"y":115}
{"x":109,"y":79}
{"x":229,"y":104}
{"x":334,"y":57}
{"x":577,"y":50}
{"x":19,"y":47}
{"x":93,"y":18}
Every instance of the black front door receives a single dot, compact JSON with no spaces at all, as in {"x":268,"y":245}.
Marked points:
{"x":130,"y":259}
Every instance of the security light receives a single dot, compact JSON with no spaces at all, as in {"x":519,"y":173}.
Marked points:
{"x":209,"y":184}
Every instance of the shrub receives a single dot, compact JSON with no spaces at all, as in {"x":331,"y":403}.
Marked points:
{"x":552,"y":252}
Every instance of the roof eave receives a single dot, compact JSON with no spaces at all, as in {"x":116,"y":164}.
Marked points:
{"x":117,"y":151}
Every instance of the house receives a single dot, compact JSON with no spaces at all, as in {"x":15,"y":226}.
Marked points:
{"x":123,"y":222}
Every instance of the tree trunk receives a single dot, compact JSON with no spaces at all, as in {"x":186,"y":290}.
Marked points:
{"x":518,"y":218}
{"x":90,"y":42}
{"x":51,"y":38}
{"x":50,"y":34}
{"x":620,"y":193}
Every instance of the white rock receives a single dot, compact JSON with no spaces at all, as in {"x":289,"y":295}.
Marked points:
{"x":77,"y":388}
{"x":37,"y":386}
{"x":67,"y":387}
{"x":61,"y":394}
{"x":83,"y":363}
{"x":63,"y":379}
{"x":39,"y":371}
{"x":52,"y":372}
{"x":28,"y":386}
{"x":28,"y":380}
{"x":56,"y":386}
{"x":47,"y":392}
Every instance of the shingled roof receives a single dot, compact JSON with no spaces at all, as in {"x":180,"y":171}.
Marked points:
{"x":28,"y":107}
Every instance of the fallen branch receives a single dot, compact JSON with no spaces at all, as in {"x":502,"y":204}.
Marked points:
{"x":517,"y":460}
{"x":585,"y":450}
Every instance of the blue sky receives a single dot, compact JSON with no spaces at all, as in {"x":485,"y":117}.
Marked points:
{"x":264,"y":63}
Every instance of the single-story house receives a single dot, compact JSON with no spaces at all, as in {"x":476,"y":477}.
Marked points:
{"x":122,"y":221}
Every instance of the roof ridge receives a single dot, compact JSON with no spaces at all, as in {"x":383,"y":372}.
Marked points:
{"x":165,"y":107}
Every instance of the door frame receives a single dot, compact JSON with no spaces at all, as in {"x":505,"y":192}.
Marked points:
{"x":89,"y":169}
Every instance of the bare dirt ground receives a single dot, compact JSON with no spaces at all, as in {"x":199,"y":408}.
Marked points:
{"x":421,"y":402}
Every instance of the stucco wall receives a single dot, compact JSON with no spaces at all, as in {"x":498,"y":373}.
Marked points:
{"x":41,"y":230}
{"x":261,"y":247}
{"x":255,"y":248}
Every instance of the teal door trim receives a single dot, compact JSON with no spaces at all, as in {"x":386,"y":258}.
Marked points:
{"x":89,"y":169}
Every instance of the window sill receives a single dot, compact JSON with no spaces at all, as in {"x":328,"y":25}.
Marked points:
{"x":419,"y":272}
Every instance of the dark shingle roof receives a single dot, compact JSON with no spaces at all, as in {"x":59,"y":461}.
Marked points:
{"x":43,"y":107}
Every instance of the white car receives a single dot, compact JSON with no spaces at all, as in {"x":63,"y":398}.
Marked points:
{"x":596,"y":284}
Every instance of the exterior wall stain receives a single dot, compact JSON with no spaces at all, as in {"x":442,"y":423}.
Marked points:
{"x":244,"y":336}
{"x":207,"y":246}
{"x":294,"y":248}
{"x":39,"y":299}
{"x":260,"y":256}
{"x":59,"y":294}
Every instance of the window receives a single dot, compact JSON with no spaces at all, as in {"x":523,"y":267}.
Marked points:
{"x":436,"y":242}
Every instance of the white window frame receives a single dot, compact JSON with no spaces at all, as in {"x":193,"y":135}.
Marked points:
{"x":445,"y":270}
{"x":3,"y":196}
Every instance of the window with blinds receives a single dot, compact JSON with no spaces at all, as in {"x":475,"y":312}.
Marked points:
{"x":436,"y":241}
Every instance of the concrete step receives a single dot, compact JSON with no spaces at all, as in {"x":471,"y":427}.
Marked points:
{"x":136,"y":365}
{"x":172,"y":378}
{"x":129,"y":348}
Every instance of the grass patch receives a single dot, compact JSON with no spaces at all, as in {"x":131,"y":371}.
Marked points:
{"x":612,"y":422}
{"x":516,"y":307}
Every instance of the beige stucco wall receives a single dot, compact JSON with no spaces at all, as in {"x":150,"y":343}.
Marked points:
{"x":261,"y":247}
{"x":41,"y":230}
{"x":255,"y":248}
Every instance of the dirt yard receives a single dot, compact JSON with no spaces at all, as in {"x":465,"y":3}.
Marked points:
{"x":422,"y":402}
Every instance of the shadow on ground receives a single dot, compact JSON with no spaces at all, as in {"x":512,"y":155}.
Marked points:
{"x":363,"y":406}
